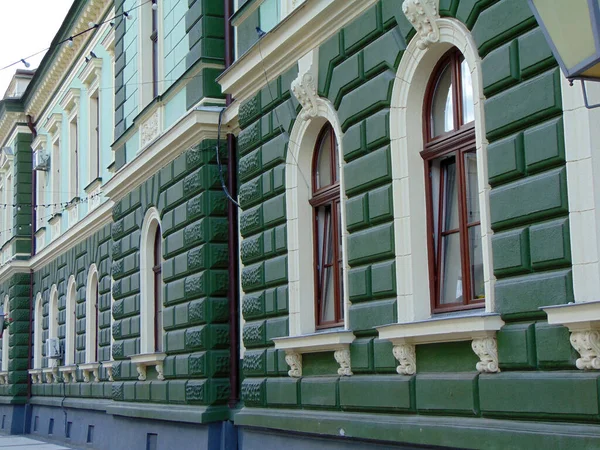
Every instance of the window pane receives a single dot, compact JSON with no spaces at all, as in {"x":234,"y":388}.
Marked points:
{"x":450,"y":196}
{"x":467,"y":93}
{"x":442,"y":108}
{"x":269,"y":15}
{"x":473,"y":214}
{"x":476,"y":259}
{"x":340,"y":259}
{"x":451,"y":289}
{"x":323,"y":175}
{"x":325,"y":267}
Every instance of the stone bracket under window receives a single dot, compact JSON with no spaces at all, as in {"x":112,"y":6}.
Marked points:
{"x":583,"y":322}
{"x":479,"y":329}
{"x":336,"y":341}
{"x":68,"y":373}
{"x":51,"y":374}
{"x":108,"y":365}
{"x":90,"y":369}
{"x":4,"y":377}
{"x":149,"y":359}
{"x":36,"y":376}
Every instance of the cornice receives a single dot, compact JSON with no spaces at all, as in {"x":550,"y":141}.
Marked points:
{"x":40,"y":141}
{"x":70,"y":100}
{"x":78,"y":233}
{"x":66,"y":56}
{"x":53,"y":123}
{"x":196,"y":126}
{"x":91,"y":71}
{"x":7,"y":123}
{"x":11,"y":268}
{"x":311,"y":24}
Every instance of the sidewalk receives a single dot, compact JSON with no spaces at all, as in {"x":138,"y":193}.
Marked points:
{"x":25,"y":443}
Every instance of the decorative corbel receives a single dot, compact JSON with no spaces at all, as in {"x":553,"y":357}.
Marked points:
{"x":294,"y":360}
{"x":159,"y":370}
{"x":406,"y":355}
{"x":423,"y":15}
{"x":304,"y":87}
{"x":487,"y":350}
{"x":587,"y":344}
{"x":141,"y":370}
{"x":343,"y":359}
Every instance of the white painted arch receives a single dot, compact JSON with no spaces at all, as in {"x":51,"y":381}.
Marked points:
{"x":303,"y":139}
{"x":91,"y":315}
{"x":5,"y":334}
{"x":406,"y":125}
{"x":53,"y":319}
{"x":147,"y":311}
{"x":38,"y":331}
{"x":70,"y":319}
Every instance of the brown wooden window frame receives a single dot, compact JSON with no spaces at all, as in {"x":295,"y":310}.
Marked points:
{"x":456,"y":144}
{"x":327,"y":197}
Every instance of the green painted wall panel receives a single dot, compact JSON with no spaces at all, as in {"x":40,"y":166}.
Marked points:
{"x":449,"y":393}
{"x":361,"y":392}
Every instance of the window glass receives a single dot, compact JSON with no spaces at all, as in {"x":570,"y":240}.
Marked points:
{"x":472,"y":187}
{"x":325,"y":269}
{"x":476,"y":259}
{"x":451,"y":290}
{"x":442,"y":110}
{"x":467,"y":93}
{"x":323,"y":176}
{"x":269,"y":15}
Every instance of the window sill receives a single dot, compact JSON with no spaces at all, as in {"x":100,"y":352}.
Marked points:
{"x":93,"y":185}
{"x":327,"y":341}
{"x":90,"y":369}
{"x":149,"y":359}
{"x":4,"y":377}
{"x":480,"y":329}
{"x":583,"y":321}
{"x":68,"y":373}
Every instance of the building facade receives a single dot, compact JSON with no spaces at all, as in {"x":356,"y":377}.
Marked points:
{"x":311,"y":224}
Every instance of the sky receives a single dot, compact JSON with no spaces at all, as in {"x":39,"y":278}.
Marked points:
{"x":26,"y":27}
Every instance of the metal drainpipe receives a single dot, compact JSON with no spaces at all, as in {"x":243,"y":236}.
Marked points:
{"x":31,"y":124}
{"x":233,"y":239}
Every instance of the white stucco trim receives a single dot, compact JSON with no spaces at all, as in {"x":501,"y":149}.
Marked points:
{"x":5,"y":333}
{"x":149,"y":226}
{"x":145,"y":360}
{"x":70,"y":321}
{"x":38,"y":331}
{"x":299,"y":213}
{"x":582,"y":151}
{"x":408,"y":182}
{"x":91,"y":294}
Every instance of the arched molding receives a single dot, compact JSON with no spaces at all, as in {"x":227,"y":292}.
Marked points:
{"x":303,"y":139}
{"x":147,"y":309}
{"x":406,"y":125}
{"x":91,"y":316}
{"x":70,"y":319}
{"x":5,"y":336}
{"x":38,"y":331}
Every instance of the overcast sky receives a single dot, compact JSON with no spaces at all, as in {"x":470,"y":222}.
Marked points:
{"x":26,"y":27}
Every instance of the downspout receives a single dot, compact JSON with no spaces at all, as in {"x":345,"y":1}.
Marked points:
{"x":233,"y":235}
{"x":31,"y":124}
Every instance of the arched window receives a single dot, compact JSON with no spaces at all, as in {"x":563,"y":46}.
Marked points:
{"x":452,"y":190}
{"x":37,"y":333}
{"x":151,"y":284}
{"x":70,"y":347}
{"x":327,"y":241}
{"x":53,"y":319}
{"x":91,"y":316}
{"x":5,"y":338}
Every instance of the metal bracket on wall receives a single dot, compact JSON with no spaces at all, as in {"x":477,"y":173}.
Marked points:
{"x":584,"y":90}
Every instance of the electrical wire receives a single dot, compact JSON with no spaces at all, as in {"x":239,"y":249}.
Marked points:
{"x":71,"y":38}
{"x":218,"y":151}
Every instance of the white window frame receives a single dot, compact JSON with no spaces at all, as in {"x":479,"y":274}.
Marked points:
{"x":38,"y":331}
{"x":53,"y":320}
{"x":145,"y":52}
{"x":5,"y":337}
{"x":91,"y":296}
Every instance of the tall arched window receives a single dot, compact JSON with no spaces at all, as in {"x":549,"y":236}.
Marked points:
{"x":5,"y":338}
{"x":151,"y":284}
{"x":37,"y":333}
{"x":452,"y":190}
{"x":53,"y":319}
{"x":325,"y":201}
{"x":91,"y":316}
{"x":70,"y":336}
